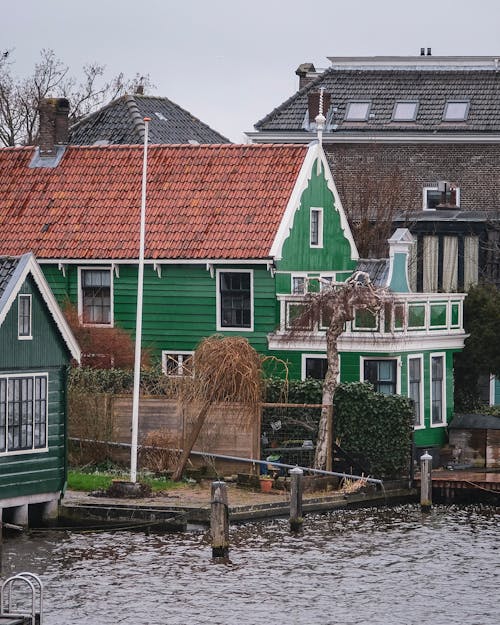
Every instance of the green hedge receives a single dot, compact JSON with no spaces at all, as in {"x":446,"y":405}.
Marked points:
{"x":377,"y":426}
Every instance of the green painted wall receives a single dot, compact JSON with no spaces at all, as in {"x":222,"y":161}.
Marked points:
{"x":45,"y":471}
{"x":297,"y":254}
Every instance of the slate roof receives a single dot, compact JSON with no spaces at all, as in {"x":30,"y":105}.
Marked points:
{"x":203,"y":202}
{"x":8,"y":265}
{"x":378,"y":270}
{"x":383,"y":87}
{"x":121,"y":122}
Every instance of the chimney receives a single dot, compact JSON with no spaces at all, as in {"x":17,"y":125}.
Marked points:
{"x":302,"y":71}
{"x":54,"y":125}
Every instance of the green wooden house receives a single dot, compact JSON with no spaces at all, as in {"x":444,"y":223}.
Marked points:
{"x":36,"y":346}
{"x":234,"y":233}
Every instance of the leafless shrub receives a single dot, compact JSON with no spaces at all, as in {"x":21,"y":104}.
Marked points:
{"x":159,"y":451}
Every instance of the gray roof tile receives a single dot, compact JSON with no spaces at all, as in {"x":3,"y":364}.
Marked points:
{"x":8,"y":265}
{"x":432,"y":89}
{"x":121,"y":122}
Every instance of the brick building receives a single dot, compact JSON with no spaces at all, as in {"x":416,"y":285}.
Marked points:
{"x":416,"y":139}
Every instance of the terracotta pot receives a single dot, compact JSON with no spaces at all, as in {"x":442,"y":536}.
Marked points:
{"x":266,"y":485}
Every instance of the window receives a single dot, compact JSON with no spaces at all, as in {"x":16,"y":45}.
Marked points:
{"x":456,"y":110}
{"x":437,"y":390}
{"x":357,"y":111}
{"x":382,"y":374}
{"x":405,"y":111}
{"x":415,"y":388}
{"x":235,"y":299}
{"x":95,"y":296}
{"x":314,"y":367}
{"x":178,"y":364}
{"x":23,"y":413}
{"x":298,"y":285}
{"x":316,"y":231}
{"x":24,"y":317}
{"x":433,"y":196}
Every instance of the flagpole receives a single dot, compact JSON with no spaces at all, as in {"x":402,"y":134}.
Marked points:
{"x":138,"y":326}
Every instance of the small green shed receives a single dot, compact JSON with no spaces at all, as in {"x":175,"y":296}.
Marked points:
{"x":36,"y":347}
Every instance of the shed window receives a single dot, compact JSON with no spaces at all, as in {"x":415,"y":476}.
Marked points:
{"x":23,"y":413}
{"x":96,"y":296}
{"x":405,"y":111}
{"x":24,"y":316}
{"x":357,"y":111}
{"x":456,"y":111}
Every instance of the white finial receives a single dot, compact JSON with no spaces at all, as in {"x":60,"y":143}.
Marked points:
{"x":320,"y":118}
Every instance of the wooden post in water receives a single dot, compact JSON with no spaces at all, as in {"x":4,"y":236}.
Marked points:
{"x":219,"y":520}
{"x":426,"y":482}
{"x":296,"y":519}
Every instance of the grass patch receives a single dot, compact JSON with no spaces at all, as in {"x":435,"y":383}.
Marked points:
{"x":100,"y":480}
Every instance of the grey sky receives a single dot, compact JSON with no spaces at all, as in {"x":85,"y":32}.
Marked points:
{"x":230,"y":62}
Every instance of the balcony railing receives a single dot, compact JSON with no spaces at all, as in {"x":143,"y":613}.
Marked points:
{"x":402,"y":314}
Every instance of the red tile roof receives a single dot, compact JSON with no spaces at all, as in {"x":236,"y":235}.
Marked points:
{"x":203,"y":202}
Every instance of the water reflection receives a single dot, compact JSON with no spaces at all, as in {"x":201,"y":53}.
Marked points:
{"x":390,"y":566}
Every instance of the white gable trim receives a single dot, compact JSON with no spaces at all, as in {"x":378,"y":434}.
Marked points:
{"x":27,"y":264}
{"x":315,"y":154}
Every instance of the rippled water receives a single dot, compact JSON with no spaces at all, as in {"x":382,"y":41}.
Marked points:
{"x":366,"y":567}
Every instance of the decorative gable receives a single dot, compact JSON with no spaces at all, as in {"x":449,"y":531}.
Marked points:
{"x":314,"y":235}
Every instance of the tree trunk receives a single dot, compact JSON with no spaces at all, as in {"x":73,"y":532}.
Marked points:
{"x":192,"y":440}
{"x":324,"y":441}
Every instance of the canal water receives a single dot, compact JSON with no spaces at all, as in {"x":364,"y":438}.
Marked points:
{"x":385,"y":566}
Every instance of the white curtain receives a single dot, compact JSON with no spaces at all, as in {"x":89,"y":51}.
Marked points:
{"x":412,"y":266}
{"x":471,"y":261}
{"x":450,"y":264}
{"x":431,"y":245}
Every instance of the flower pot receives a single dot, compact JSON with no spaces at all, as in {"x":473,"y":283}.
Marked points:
{"x":266,"y":485}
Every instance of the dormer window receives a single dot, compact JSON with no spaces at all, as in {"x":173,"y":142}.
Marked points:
{"x":456,"y":110}
{"x":405,"y":111}
{"x":358,"y":111}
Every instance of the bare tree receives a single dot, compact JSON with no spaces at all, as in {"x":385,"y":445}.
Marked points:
{"x":20,"y":97}
{"x":331,"y":307}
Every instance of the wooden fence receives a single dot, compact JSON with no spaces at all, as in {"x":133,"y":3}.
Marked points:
{"x":229,"y":429}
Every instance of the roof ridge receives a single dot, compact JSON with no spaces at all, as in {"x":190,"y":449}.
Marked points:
{"x":137,"y":121}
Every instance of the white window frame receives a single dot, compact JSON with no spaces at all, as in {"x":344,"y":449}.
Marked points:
{"x":457,"y":119}
{"x":294,"y":276}
{"x":375,"y":357}
{"x":319,"y":211}
{"x":347,"y":117}
{"x":24,"y":337}
{"x":434,"y":188}
{"x":175,"y":352}
{"x":405,"y":119}
{"x":111,"y":296}
{"x":420,"y":357}
{"x":305,"y":357}
{"x":219,"y":326}
{"x":443,"y":423}
{"x":33,"y":450}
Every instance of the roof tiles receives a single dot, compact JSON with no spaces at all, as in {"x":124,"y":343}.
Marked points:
{"x":203,"y":202}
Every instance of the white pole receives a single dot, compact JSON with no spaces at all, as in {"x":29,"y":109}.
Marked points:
{"x":138,"y":326}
